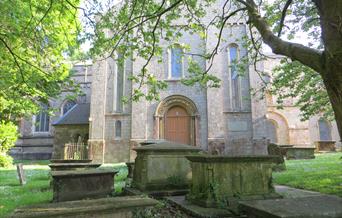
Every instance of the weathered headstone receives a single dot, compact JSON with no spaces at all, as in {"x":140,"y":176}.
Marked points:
{"x":21,"y":174}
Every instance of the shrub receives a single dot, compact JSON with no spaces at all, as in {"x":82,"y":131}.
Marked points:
{"x":5,"y":160}
{"x":8,"y":136}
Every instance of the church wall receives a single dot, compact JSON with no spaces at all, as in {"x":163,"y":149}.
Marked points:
{"x":143,"y":120}
{"x":300,"y":133}
{"x":228,"y":124}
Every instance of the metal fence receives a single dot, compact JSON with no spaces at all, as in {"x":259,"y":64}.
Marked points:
{"x":76,"y":151}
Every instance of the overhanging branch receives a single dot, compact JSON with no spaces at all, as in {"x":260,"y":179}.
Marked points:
{"x":307,"y":56}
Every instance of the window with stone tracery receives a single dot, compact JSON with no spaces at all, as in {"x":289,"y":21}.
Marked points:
{"x":120,"y":82}
{"x":234,"y":76}
{"x":176,"y":62}
{"x":42,"y":120}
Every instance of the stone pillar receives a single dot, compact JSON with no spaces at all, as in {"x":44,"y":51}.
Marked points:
{"x":96,"y":150}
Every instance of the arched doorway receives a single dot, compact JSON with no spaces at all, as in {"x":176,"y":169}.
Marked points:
{"x":177,"y":119}
{"x":177,"y":125}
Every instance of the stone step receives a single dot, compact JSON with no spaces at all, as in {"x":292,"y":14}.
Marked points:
{"x":319,"y":206}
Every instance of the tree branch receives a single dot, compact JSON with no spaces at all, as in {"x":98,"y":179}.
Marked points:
{"x":307,"y":56}
{"x":283,"y":15}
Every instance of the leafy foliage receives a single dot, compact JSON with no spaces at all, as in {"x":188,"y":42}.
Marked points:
{"x":35,"y":39}
{"x":292,"y":80}
{"x":8,"y":136}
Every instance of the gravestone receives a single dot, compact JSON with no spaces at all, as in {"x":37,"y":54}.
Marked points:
{"x":325,"y":146}
{"x":21,"y":174}
{"x":221,"y":181}
{"x":162,"y":166}
{"x":300,"y":153}
{"x":274,"y":149}
{"x":76,"y":185}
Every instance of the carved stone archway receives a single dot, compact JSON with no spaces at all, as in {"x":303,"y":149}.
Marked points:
{"x":181,"y":101}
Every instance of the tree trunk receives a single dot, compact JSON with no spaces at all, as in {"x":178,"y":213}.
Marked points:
{"x":330,"y":12}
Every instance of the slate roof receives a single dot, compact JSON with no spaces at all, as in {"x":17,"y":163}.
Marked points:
{"x":79,"y":114}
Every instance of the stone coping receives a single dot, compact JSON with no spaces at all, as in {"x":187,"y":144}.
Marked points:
{"x":285,"y":146}
{"x":70,"y":161}
{"x":326,"y":141}
{"x":225,"y":158}
{"x":77,"y":173}
{"x":84,"y":206}
{"x":298,"y":147}
{"x":74,"y":164}
{"x":167,"y":146}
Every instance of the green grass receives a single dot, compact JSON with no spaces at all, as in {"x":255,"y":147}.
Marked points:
{"x":322,"y":174}
{"x":37,"y":189}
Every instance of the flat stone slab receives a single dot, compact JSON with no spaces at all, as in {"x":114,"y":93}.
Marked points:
{"x":118,"y":207}
{"x":70,"y":161}
{"x":156,"y":194}
{"x":319,"y":206}
{"x":288,"y":192}
{"x":73,"y":166}
{"x":197,"y":211}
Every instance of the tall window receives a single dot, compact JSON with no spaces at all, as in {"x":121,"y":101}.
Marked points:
{"x":67,"y":106}
{"x":176,"y":62}
{"x":234,"y":76}
{"x":272,"y":131}
{"x":42,"y":121}
{"x":324,"y":130}
{"x":120,"y":82}
{"x":118,"y":129}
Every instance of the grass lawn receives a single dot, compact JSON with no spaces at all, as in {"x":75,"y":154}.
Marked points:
{"x":37,"y":188}
{"x":322,"y":174}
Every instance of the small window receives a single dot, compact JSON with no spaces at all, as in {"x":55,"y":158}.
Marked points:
{"x":42,"y":121}
{"x":118,"y":129}
{"x":67,"y":106}
{"x":234,"y":76}
{"x":324,"y":130}
{"x":176,"y":62}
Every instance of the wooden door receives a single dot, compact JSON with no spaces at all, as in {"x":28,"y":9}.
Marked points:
{"x":177,"y":125}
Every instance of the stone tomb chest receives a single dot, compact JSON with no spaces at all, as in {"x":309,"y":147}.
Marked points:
{"x":218,"y":180}
{"x":163,"y":166}
{"x":81,"y":184}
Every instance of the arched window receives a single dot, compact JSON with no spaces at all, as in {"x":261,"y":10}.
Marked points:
{"x":324,"y":130}
{"x":67,"y":106}
{"x":118,"y":129}
{"x":42,"y":120}
{"x":176,"y":62}
{"x":120,"y":82}
{"x":272,"y":131}
{"x":234,"y":76}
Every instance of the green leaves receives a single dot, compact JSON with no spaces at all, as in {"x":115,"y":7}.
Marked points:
{"x":292,"y":80}
{"x":35,"y":39}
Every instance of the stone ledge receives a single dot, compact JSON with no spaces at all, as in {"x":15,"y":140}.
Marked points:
{"x":225,"y":158}
{"x":72,"y":173}
{"x":85,"y":208}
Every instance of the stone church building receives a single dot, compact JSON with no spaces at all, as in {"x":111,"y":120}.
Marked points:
{"x":224,"y":120}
